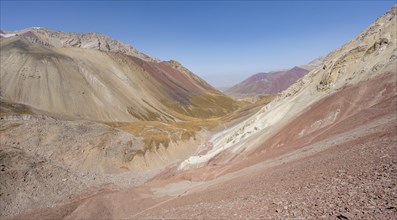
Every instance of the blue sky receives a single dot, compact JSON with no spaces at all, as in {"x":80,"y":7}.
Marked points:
{"x":221,"y":41}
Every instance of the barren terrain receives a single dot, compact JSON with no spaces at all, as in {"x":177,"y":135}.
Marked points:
{"x":323,"y":148}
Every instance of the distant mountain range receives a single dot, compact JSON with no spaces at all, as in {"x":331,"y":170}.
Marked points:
{"x":267,"y":83}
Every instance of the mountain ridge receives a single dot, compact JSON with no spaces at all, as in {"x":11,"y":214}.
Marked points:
{"x":88,"y":82}
{"x":267,"y":83}
{"x":370,"y":54}
{"x":88,"y":40}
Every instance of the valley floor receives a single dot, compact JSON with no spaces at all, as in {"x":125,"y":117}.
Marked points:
{"x":351,"y":177}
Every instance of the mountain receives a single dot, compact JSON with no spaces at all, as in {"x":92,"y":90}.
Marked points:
{"x":91,"y":76}
{"x":61,"y":39}
{"x":327,"y":141}
{"x":326,"y":147}
{"x":355,"y":80}
{"x":81,"y":110}
{"x":267,"y":83}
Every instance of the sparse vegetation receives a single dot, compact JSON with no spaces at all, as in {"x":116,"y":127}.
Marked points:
{"x":206,"y":111}
{"x":4,"y":127}
{"x":209,"y":105}
{"x":7,"y":108}
{"x":158,"y":134}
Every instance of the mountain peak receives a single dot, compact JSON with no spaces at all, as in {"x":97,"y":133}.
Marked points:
{"x":295,"y":68}
{"x":88,"y":40}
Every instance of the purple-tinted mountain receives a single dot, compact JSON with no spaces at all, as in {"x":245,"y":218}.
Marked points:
{"x":267,"y":83}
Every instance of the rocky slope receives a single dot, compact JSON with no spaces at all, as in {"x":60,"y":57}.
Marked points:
{"x":79,"y":111}
{"x":90,"y":76}
{"x":323,"y":148}
{"x":45,"y":161}
{"x":372,"y":53}
{"x":267,"y":83}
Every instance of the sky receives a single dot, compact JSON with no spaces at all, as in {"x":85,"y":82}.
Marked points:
{"x":222,"y":41}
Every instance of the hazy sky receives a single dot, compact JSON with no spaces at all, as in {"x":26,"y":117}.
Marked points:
{"x":221,"y":41}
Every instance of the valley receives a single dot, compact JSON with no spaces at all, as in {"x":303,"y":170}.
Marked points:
{"x":91,"y":128}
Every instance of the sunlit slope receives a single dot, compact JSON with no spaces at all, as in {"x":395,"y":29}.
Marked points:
{"x":104,"y":86}
{"x":370,"y":56}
